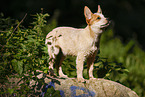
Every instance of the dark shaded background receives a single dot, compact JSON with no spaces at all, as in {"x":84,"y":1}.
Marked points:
{"x":128,"y":16}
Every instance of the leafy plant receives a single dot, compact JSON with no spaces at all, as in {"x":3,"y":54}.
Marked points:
{"x":22,"y":51}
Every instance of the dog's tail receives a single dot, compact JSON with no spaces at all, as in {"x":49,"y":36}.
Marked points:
{"x":53,"y":50}
{"x":48,"y":40}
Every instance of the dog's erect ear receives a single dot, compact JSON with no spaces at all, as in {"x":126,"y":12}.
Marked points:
{"x":88,"y":14}
{"x":99,"y":9}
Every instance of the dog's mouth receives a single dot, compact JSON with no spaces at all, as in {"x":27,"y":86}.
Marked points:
{"x":106,"y":25}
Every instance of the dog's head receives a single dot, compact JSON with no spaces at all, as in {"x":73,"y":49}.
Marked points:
{"x":96,"y":20}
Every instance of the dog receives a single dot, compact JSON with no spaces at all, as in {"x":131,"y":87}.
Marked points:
{"x":82,"y":43}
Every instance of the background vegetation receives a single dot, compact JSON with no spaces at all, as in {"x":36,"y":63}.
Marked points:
{"x":22,"y":48}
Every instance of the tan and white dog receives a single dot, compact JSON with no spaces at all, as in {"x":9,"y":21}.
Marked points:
{"x":82,"y":43}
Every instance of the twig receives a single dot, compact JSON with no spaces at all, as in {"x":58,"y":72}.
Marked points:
{"x":17,"y":27}
{"x":3,"y":31}
{"x":15,"y":30}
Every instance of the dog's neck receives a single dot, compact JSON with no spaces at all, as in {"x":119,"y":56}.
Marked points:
{"x":94,"y":31}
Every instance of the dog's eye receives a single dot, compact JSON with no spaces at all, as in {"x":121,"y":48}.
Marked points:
{"x":98,"y":18}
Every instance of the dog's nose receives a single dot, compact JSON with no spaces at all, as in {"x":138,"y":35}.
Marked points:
{"x":107,"y":19}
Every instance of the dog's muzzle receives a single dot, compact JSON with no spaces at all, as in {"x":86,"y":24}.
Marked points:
{"x":106,"y":25}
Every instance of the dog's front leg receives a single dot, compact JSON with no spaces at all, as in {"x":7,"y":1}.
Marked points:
{"x":80,"y":62}
{"x":90,"y":63}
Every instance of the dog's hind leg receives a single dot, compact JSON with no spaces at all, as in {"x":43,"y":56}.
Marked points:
{"x":51,"y":60}
{"x":59,"y":59}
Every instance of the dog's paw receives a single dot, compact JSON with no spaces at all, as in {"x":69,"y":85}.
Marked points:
{"x":63,"y":76}
{"x":92,"y":78}
{"x":51,"y":73}
{"x":81,"y":79}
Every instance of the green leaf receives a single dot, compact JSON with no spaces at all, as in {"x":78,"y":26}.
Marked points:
{"x":126,"y":70}
{"x":7,"y":54}
{"x":17,"y":65}
{"x":10,"y":90}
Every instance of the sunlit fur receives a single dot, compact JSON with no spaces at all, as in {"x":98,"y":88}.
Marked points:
{"x":82,"y":43}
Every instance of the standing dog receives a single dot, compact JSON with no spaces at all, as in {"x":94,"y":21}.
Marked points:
{"x":82,"y":43}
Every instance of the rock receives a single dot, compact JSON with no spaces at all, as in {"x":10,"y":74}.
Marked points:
{"x":91,"y":88}
{"x":70,"y":87}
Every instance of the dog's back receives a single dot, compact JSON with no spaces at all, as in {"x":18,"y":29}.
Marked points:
{"x":70,"y":40}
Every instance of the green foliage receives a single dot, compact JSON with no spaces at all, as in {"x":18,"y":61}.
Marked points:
{"x":51,"y":92}
{"x":22,"y":51}
{"x":131,"y":56}
{"x":24,"y":46}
